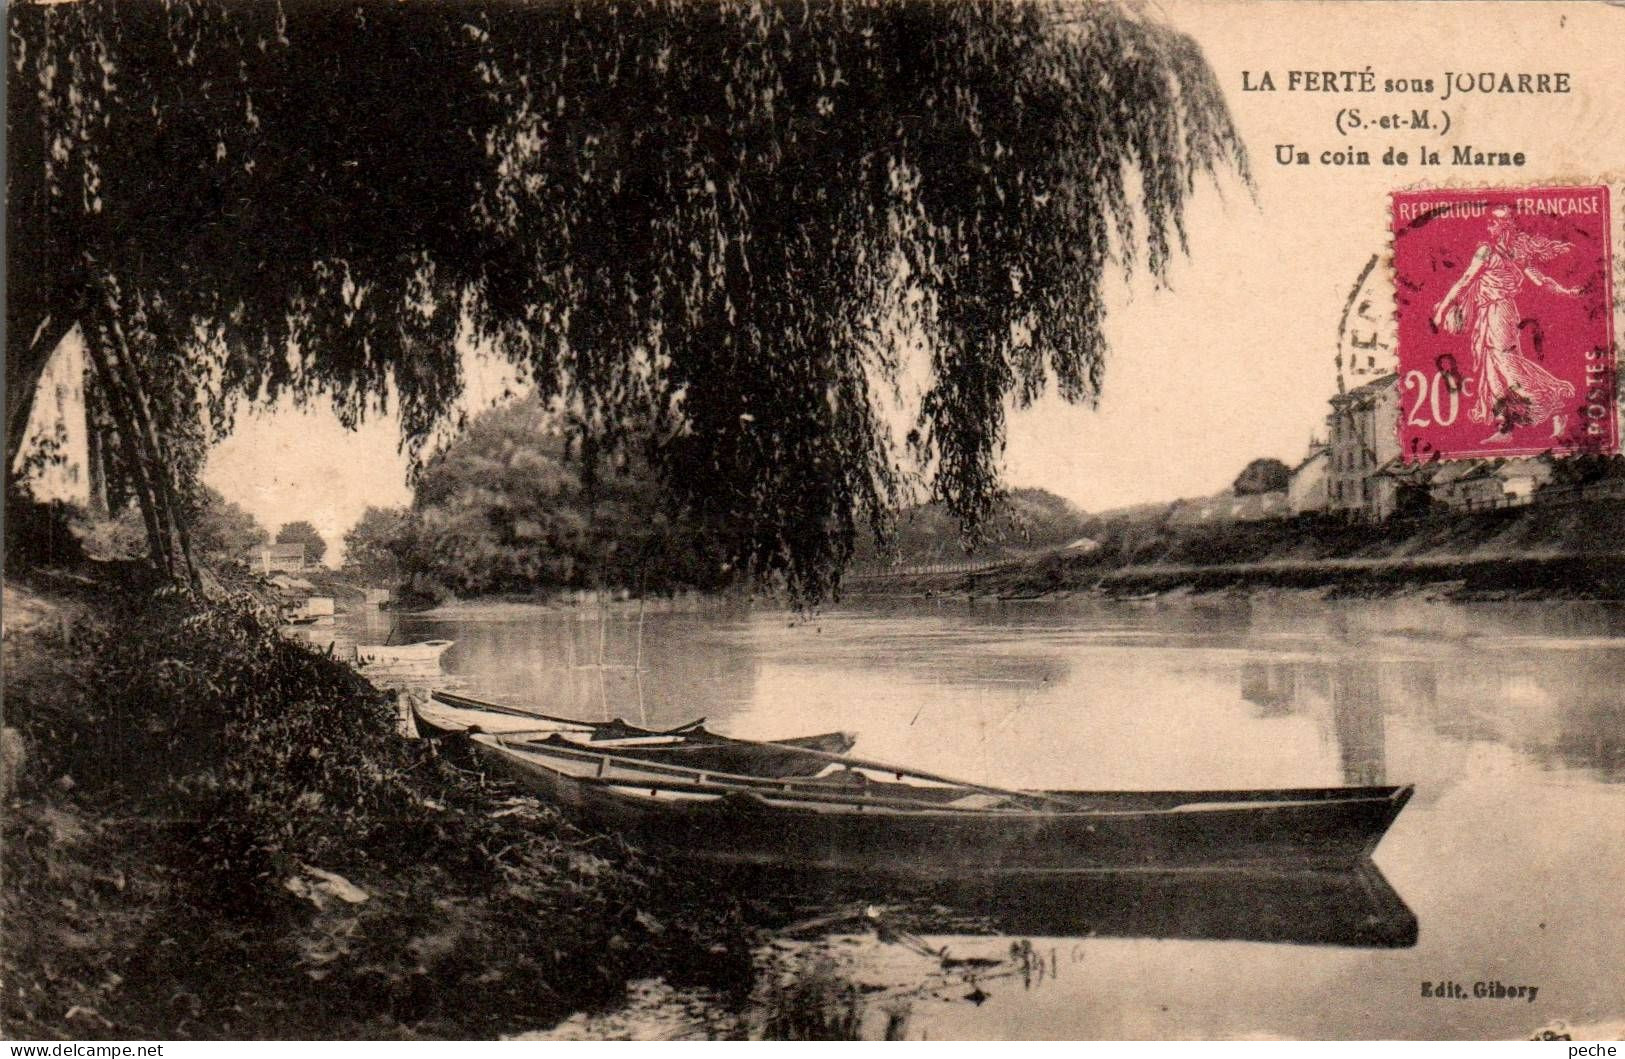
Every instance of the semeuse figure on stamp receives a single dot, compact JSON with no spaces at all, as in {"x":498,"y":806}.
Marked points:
{"x":1506,"y":387}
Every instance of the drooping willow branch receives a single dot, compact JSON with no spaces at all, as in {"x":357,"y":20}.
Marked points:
{"x":718,"y":233}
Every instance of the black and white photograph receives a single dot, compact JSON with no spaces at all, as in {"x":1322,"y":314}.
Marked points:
{"x":817,"y":520}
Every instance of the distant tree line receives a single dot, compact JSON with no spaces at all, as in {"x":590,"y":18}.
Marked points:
{"x":222,"y":532}
{"x":1023,"y":520}
{"x":1263,"y":475}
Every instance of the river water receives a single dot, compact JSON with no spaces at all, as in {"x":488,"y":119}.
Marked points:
{"x":1508,"y":865}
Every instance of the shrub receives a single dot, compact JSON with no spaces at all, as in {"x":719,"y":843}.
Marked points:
{"x":213,"y":763}
{"x":38,"y":534}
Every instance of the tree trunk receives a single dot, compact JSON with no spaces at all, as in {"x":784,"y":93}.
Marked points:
{"x":96,"y":473}
{"x":97,"y":341}
{"x":28,"y":310}
{"x":169,"y":509}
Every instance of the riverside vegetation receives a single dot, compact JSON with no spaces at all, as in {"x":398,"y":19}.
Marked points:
{"x":211,"y":832}
{"x":1540,"y":550}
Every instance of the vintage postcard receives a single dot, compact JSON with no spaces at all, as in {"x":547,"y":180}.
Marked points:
{"x":813,"y":519}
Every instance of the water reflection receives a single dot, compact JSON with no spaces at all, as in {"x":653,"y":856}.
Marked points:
{"x":1272,"y":688}
{"x":1541,"y":679}
{"x":907,"y":964}
{"x":1508,"y":718}
{"x":1567,"y":716}
{"x":662,"y":671}
{"x":1356,"y":908}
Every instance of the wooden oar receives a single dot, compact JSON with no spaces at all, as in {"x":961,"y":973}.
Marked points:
{"x":785,"y":783}
{"x":587,"y":728}
{"x":786,"y":794}
{"x":931,"y":777}
{"x":636,"y":777}
{"x":464,"y":702}
{"x":556,"y":730}
{"x":610,"y":744}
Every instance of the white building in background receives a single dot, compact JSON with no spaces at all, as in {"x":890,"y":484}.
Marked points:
{"x":267,"y":559}
{"x":1521,"y":477}
{"x":57,"y":448}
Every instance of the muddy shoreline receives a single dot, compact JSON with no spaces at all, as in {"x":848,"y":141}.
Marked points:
{"x":1587,"y":577}
{"x":1553,"y":551}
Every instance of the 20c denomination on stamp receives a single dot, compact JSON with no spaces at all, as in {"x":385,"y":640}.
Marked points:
{"x":1505,"y":301}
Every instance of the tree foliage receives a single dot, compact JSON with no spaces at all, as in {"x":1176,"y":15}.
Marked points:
{"x":373,"y":545}
{"x":1262,"y":476}
{"x":732,"y":222}
{"x":302,"y":532}
{"x":1583,"y":469}
{"x":1024,"y":520}
{"x":221,"y":530}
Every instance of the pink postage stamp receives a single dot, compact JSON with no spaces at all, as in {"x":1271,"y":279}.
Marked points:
{"x":1505,"y":322}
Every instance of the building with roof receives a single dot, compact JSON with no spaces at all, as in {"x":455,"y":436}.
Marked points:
{"x":1362,"y":436}
{"x":277,"y":558}
{"x":1466,"y":486}
{"x":1521,"y":478}
{"x":1462,"y":485}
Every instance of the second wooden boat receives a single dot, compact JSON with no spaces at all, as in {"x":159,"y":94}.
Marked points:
{"x":690,"y":744}
{"x":447,"y":713}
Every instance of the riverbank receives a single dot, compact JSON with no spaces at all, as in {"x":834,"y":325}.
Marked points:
{"x":212,"y":832}
{"x":1536,"y":552}
{"x":586,"y":604}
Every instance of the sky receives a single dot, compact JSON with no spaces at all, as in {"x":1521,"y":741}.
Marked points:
{"x":1233,"y":359}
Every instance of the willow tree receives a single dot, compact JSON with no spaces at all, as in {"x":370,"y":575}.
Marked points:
{"x":729,"y":225}
{"x":238,"y":200}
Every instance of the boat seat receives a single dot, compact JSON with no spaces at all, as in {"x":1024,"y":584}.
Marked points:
{"x":978,"y":801}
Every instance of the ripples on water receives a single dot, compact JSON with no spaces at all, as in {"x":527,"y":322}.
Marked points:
{"x":1509,"y":864}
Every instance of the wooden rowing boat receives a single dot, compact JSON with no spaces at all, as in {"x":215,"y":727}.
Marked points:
{"x":690,"y":744}
{"x":447,"y":714}
{"x":853,"y":821}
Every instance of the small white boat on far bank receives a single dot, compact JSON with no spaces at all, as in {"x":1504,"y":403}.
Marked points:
{"x":426,"y":652}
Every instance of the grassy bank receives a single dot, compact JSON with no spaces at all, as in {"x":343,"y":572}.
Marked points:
{"x":1558,"y":551}
{"x":211,"y":832}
